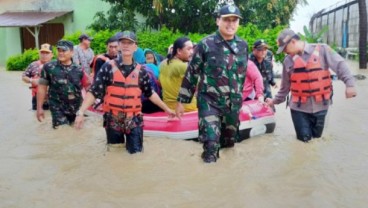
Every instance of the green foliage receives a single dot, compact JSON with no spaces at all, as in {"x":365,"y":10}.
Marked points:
{"x":313,"y":37}
{"x":117,"y":18}
{"x":157,"y":41}
{"x":251,"y":33}
{"x":268,"y":13}
{"x":21,"y":61}
{"x":160,"y":41}
{"x":191,"y":16}
{"x":99,"y":39}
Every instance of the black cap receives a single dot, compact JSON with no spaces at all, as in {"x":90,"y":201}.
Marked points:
{"x":229,"y":11}
{"x":84,"y":36}
{"x":260,"y":44}
{"x":65,"y":45}
{"x":129,"y":35}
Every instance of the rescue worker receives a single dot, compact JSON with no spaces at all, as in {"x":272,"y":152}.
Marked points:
{"x":83,"y":54}
{"x":260,"y":56}
{"x":172,"y":72}
{"x":120,"y":83}
{"x":33,"y":71}
{"x":64,"y":81}
{"x":307,"y":76}
{"x":218,"y":66}
{"x":112,"y":45}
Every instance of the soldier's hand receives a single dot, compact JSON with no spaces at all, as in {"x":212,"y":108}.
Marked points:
{"x":179,"y":110}
{"x":350,"y":92}
{"x":79,"y":121}
{"x":40,"y":114}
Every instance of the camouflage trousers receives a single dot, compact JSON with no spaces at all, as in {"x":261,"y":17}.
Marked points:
{"x":118,"y":128}
{"x":61,"y":117}
{"x":218,"y":131}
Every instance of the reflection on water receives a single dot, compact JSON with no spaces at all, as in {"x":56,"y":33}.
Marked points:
{"x":42,"y":167}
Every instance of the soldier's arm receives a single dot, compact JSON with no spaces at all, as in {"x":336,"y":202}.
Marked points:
{"x":145,"y":83}
{"x":190,"y":80}
{"x":43,"y":83}
{"x":27,"y":74}
{"x":103,"y":79}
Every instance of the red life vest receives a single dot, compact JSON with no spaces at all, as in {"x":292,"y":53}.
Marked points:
{"x":310,"y":80}
{"x":124,"y":94}
{"x":36,"y":76}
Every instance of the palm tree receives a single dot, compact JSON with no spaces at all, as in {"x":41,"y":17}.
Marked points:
{"x":362,"y":34}
{"x":157,"y":4}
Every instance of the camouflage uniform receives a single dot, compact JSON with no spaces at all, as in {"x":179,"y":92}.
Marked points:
{"x":64,"y":91}
{"x":266,"y":69}
{"x":221,"y":74}
{"x":33,"y":71}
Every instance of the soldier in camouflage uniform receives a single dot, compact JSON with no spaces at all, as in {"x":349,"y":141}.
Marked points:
{"x":33,"y":71}
{"x":220,"y":63}
{"x":262,"y":57}
{"x":64,"y":81}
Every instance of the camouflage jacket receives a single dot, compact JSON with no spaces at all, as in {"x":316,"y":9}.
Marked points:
{"x":33,"y":70}
{"x":64,"y":84}
{"x":266,"y":69}
{"x":220,"y":74}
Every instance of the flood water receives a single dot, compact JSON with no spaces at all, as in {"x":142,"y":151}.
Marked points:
{"x":41,"y":167}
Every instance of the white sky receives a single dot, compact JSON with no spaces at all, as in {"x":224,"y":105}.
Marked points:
{"x":304,"y":13}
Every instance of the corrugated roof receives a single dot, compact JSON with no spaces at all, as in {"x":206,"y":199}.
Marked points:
{"x":28,"y":18}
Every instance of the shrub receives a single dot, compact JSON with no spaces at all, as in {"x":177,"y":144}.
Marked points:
{"x":99,"y":39}
{"x":157,"y":41}
{"x":21,"y":61}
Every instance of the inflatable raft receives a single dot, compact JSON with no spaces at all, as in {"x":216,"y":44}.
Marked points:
{"x":255,"y":119}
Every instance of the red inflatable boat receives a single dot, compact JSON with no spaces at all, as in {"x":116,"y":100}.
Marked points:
{"x":255,"y":119}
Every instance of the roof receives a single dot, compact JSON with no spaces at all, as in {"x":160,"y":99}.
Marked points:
{"x":28,"y":18}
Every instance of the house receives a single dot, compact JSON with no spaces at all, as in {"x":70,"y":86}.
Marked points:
{"x":25,"y":22}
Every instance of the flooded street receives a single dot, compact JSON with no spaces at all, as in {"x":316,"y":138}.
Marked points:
{"x":43,"y":168}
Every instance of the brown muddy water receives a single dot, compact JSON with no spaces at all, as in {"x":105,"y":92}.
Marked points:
{"x":42,"y":168}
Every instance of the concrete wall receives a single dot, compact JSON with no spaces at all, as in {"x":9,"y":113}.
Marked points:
{"x":82,"y":16}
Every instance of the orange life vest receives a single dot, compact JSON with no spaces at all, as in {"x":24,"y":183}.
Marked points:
{"x":310,"y":80}
{"x":124,"y":94}
{"x":36,"y":76}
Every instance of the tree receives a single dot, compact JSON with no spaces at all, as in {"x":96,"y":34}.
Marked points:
{"x":189,"y":16}
{"x":268,"y":14}
{"x":313,"y":37}
{"x":117,"y":18}
{"x":362,"y":34}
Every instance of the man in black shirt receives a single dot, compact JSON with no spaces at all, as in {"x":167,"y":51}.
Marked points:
{"x":112,"y":45}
